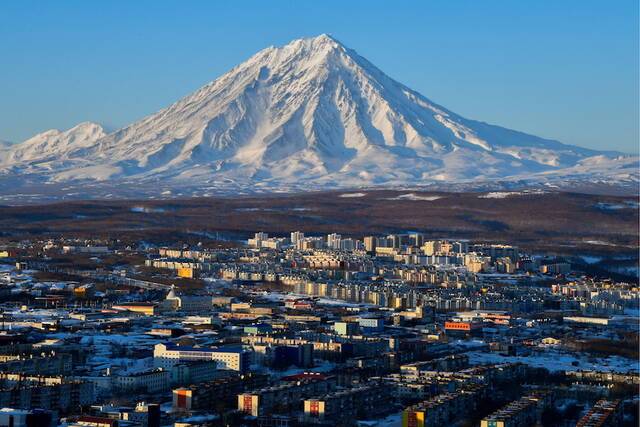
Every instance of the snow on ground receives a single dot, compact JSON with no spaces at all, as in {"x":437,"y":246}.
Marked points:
{"x":629,"y":204}
{"x":415,"y":197}
{"x":6,"y":267}
{"x":100,"y":349}
{"x":38,"y":314}
{"x":100,"y":363}
{"x":102,"y":357}
{"x":632,"y":312}
{"x":273,"y":209}
{"x":469,"y":344}
{"x":199,"y":419}
{"x":631,"y":270}
{"x":505,"y":194}
{"x":144,"y":209}
{"x":392,"y":420}
{"x":350,"y":195}
{"x":599,"y":243}
{"x":331,"y":301}
{"x":559,"y":361}
{"x":214,"y":285}
{"x":279,"y":296}
{"x":591,"y":259}
{"x":137,"y":340}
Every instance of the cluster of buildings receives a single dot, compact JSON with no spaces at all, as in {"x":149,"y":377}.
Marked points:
{"x":299,"y":330}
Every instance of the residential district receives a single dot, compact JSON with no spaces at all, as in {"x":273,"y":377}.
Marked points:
{"x":305,"y":330}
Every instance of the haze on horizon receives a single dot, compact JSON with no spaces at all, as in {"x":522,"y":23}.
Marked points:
{"x":564,"y":71}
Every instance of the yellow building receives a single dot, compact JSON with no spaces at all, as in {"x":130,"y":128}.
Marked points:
{"x":83,"y":291}
{"x":187,"y":272}
{"x":249,"y":403}
{"x":413,"y":418}
{"x":146,"y":308}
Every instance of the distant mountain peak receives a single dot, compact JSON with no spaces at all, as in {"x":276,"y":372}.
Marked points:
{"x":89,"y":126}
{"x":321,"y":41}
{"x":311,"y":113}
{"x":55,"y":144}
{"x":325,"y":37}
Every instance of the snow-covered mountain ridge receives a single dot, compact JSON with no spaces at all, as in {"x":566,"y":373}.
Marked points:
{"x":314,"y":114}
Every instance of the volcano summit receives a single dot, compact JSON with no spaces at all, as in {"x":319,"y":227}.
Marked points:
{"x":309,"y":115}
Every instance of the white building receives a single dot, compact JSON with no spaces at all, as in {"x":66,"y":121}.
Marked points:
{"x":333,"y":241}
{"x":262,"y":240}
{"x":296,"y":236}
{"x":168,"y":354}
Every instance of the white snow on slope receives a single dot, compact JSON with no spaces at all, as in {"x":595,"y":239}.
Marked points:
{"x":54,"y":144}
{"x":312,"y":113}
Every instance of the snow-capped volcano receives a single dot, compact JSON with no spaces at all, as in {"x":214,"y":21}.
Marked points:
{"x":311,"y":113}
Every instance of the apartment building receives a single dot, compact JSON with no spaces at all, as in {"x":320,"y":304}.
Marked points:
{"x":523,"y":412}
{"x":344,"y":406}
{"x":285,"y":396}
{"x":219,"y":391}
{"x":53,"y":364}
{"x":605,"y":413}
{"x":442,"y":410}
{"x":151,"y":381}
{"x":30,"y":392}
{"x":232,"y":358}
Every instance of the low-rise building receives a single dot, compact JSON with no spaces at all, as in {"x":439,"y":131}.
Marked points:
{"x":146,"y":308}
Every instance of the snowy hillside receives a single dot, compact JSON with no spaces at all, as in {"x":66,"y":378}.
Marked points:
{"x":311,"y":113}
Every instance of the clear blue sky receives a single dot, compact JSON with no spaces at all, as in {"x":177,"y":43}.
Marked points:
{"x":561,"y":69}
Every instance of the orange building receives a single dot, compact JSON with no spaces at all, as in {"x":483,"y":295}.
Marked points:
{"x":188,"y":273}
{"x":463,"y":327}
